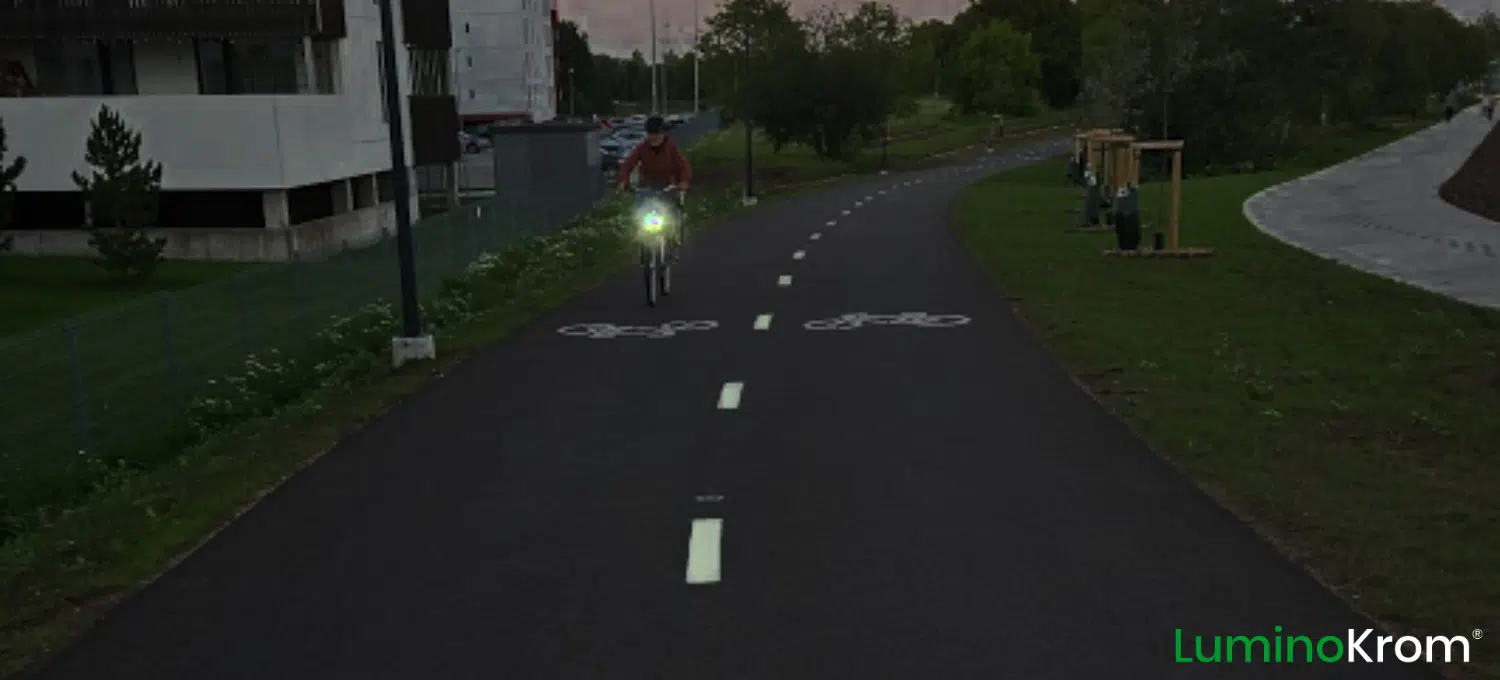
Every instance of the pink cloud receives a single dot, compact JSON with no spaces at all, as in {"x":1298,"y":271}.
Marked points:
{"x":618,"y":26}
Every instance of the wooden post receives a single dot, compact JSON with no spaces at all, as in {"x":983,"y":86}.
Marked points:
{"x":1173,"y":225}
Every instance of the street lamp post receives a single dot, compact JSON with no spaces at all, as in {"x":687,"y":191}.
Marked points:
{"x":572,"y":94}
{"x":696,"y":48}
{"x":412,"y":345}
{"x":749,"y":198}
{"x":654,"y":91}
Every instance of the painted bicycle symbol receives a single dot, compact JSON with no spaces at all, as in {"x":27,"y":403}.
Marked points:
{"x":609,"y":331}
{"x":855,"y":320}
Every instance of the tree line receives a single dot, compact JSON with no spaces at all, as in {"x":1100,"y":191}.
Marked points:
{"x":1245,"y":82}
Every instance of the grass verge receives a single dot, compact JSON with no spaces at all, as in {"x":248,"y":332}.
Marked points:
{"x":1351,"y":419}
{"x":925,"y":138}
{"x":36,"y":291}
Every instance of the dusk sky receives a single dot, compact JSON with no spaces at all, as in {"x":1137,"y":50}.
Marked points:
{"x":618,"y":26}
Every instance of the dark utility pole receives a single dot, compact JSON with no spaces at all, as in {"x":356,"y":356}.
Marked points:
{"x":411,"y":315}
{"x":749,"y":126}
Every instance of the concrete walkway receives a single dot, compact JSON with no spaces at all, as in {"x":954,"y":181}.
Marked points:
{"x":1381,"y":213}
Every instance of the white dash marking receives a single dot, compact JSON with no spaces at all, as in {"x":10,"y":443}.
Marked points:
{"x":729,"y":396}
{"x":833,"y":222}
{"x":799,"y":254}
{"x":869,"y":198}
{"x":703,"y":551}
{"x":846,"y":212}
{"x":763,"y":322}
{"x":882,"y":192}
{"x":858,"y":203}
{"x":784,"y":281}
{"x":816,"y":236}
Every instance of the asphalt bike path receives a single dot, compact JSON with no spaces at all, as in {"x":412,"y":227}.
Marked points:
{"x":914,"y":491}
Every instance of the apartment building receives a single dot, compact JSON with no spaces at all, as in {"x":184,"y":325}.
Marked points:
{"x":268,"y":116}
{"x":504,"y":61}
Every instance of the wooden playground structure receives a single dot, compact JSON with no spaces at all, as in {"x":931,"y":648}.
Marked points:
{"x":1125,"y":170}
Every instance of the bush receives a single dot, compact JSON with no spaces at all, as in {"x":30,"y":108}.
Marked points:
{"x":9,"y":173}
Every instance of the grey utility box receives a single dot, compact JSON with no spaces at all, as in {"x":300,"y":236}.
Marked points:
{"x":547,"y":161}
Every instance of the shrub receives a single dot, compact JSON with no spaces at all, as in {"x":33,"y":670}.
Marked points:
{"x":122,"y":192}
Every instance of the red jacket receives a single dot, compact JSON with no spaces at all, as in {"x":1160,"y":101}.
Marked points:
{"x":660,"y":166}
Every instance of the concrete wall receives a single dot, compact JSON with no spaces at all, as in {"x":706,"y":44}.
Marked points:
{"x":309,"y":241}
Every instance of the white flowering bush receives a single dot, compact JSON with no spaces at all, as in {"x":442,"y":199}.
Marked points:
{"x":355,"y":345}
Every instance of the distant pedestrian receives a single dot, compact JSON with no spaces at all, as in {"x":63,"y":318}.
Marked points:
{"x":1450,"y":107}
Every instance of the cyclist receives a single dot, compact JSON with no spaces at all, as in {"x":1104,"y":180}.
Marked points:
{"x":662,"y":165}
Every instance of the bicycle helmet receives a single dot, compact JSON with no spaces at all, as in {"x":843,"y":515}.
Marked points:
{"x":655,"y":124}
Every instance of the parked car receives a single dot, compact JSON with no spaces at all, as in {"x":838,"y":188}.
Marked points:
{"x":473,"y":143}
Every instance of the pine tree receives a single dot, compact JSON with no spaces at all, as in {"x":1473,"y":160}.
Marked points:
{"x":8,"y":176}
{"x":122,"y":192}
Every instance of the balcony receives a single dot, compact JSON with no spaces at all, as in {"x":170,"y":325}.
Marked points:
{"x":141,"y":19}
{"x":205,"y":142}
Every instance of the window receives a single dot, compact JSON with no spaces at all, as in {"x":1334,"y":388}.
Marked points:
{"x":250,"y":67}
{"x":325,"y":67}
{"x":213,"y":67}
{"x":85,"y":67}
{"x":429,"y":72}
{"x":380,"y":76}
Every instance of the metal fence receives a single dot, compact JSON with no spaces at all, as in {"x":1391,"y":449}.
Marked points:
{"x":479,"y":173}
{"x":120,"y":380}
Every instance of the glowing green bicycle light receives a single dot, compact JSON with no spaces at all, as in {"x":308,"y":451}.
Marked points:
{"x":652,"y":222}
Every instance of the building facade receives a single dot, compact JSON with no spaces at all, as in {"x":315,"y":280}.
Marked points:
{"x":267,"y":116}
{"x":503,"y":59}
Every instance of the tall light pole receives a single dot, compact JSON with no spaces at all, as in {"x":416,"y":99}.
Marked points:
{"x":653,"y":57}
{"x":666,"y":80}
{"x":696,"y":48}
{"x":572,"y":94}
{"x":412,"y":344}
{"x":749,"y":198}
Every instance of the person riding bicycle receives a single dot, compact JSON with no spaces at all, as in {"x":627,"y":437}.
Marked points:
{"x":662,"y":165}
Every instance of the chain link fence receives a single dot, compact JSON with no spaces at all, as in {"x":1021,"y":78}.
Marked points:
{"x":477,"y":172}
{"x":117,"y":383}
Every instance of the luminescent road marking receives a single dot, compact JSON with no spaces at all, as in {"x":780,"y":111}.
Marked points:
{"x":882,"y":192}
{"x":703,"y":551}
{"x":834,"y":222}
{"x":763,"y":322}
{"x":846,"y":212}
{"x":799,"y":254}
{"x":858,"y":203}
{"x":729,"y":396}
{"x":869,"y":198}
{"x":816,"y":236}
{"x":784,"y":281}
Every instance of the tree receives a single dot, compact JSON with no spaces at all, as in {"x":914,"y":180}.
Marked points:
{"x":122,"y":192}
{"x":8,"y":176}
{"x":997,"y":73}
{"x":575,"y":67}
{"x":1114,"y":60}
{"x":923,"y":57}
{"x":757,"y":32}
{"x":834,"y":85}
{"x":1055,"y":28}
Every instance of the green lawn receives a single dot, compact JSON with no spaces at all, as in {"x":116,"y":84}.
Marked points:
{"x":1351,"y":418}
{"x":36,"y":291}
{"x":719,"y":156}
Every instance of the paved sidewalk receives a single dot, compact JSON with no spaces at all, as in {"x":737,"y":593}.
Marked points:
{"x":1381,"y":213}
